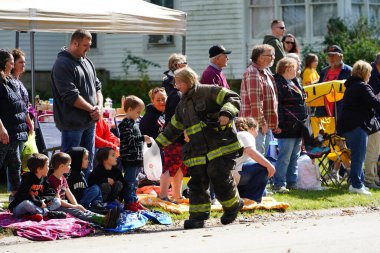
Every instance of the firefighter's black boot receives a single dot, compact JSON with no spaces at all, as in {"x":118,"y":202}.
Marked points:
{"x":191,"y":224}
{"x":230,"y":215}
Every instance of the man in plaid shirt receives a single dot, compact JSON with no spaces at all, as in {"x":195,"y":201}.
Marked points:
{"x":258,"y":94}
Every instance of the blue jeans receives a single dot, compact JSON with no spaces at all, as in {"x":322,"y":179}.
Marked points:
{"x":10,"y":159}
{"x":130,"y":175}
{"x":286,"y":165}
{"x":80,"y":138}
{"x":28,"y":207}
{"x":91,"y":196}
{"x":253,"y":180}
{"x":357,"y":142}
{"x":262,"y":141}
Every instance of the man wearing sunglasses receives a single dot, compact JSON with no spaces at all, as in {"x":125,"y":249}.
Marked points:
{"x":278,"y":30}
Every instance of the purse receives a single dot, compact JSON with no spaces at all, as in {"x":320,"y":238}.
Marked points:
{"x":306,"y":130}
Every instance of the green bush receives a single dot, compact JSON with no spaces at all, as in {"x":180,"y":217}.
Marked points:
{"x":358,"y":42}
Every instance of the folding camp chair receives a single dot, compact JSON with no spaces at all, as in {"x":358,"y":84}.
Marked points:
{"x":321,"y":127}
{"x":50,"y":136}
{"x":335,"y":165}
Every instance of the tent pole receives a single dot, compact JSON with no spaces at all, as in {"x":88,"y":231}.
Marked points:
{"x":32,"y":68}
{"x":17,"y":43}
{"x":184,"y":45}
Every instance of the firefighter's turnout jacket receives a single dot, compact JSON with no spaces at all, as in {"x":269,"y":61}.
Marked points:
{"x":197,"y":113}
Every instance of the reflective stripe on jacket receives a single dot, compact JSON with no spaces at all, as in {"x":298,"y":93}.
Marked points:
{"x":197,"y":113}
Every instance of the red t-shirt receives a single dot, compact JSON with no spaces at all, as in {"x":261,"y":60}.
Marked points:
{"x":332,"y":74}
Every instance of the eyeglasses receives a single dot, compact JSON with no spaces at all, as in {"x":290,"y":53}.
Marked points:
{"x":289,"y":42}
{"x":270,"y":55}
{"x":182,"y":63}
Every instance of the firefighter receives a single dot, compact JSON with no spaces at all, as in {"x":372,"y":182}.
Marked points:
{"x":205,"y":114}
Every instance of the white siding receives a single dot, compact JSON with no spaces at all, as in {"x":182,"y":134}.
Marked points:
{"x":7,"y":39}
{"x":46,"y":45}
{"x":209,"y":22}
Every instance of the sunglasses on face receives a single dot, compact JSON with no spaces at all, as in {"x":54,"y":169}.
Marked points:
{"x":281,"y":27}
{"x":289,"y":42}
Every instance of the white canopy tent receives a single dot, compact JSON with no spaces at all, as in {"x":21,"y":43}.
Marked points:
{"x":96,"y":16}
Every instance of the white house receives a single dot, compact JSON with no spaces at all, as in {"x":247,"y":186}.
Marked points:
{"x":237,"y":24}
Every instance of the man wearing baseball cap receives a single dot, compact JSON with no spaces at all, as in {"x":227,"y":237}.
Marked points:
{"x":218,"y":60}
{"x":336,"y":70}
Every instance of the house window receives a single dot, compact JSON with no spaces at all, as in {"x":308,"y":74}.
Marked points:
{"x":162,"y":39}
{"x":302,"y":17}
{"x":358,"y":9}
{"x":94,"y":40}
{"x":374,"y":11}
{"x":262,"y":14}
{"x":321,"y":12}
{"x":293,"y":14}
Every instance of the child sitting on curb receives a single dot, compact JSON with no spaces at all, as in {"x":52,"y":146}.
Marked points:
{"x":89,"y":197}
{"x":107,"y":176}
{"x":29,"y":202}
{"x":61,"y":163}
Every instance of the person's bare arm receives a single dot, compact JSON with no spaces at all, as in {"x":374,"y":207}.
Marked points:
{"x":4,"y":137}
{"x":258,"y":157}
{"x":72,"y":201}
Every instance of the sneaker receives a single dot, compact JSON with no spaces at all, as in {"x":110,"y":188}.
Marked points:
{"x":280,"y":189}
{"x":134,"y":207}
{"x":192,"y":224}
{"x":33,"y":217}
{"x":230,"y":215}
{"x":56,"y":215}
{"x":362,"y":190}
{"x":372,"y":186}
{"x":110,"y":220}
{"x":291,"y":186}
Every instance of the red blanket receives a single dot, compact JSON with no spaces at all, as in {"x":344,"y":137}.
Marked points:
{"x":46,"y":230}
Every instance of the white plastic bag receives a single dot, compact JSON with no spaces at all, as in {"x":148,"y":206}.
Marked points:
{"x":152,"y":161}
{"x":308,"y":174}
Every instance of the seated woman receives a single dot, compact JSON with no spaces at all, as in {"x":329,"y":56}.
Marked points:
{"x":252,"y":169}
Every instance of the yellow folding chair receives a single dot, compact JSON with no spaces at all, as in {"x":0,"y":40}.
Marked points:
{"x":332,"y":162}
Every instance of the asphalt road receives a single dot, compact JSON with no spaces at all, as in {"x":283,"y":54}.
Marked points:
{"x":347,"y":233}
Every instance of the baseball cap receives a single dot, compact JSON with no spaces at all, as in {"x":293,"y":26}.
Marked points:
{"x":217,"y":49}
{"x":334,"y":49}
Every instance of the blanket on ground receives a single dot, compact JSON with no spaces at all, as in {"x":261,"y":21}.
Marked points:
{"x":267,"y":203}
{"x":46,"y":230}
